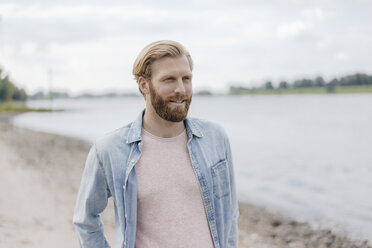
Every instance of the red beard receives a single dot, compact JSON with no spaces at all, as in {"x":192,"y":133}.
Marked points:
{"x":163,"y":109}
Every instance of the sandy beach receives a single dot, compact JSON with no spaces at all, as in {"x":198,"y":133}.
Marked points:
{"x":40,"y":177}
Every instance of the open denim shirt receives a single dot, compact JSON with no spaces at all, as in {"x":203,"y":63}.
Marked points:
{"x":110,"y":171}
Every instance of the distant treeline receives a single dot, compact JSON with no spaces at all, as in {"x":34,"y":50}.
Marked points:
{"x":8,"y":91}
{"x":59,"y":94}
{"x":363,"y":82}
{"x":358,"y":79}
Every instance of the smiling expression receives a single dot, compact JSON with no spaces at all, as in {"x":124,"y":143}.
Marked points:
{"x":170,"y":88}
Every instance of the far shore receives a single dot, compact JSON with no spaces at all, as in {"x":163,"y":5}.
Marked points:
{"x":40,"y":177}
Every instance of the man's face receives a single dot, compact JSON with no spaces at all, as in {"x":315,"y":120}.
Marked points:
{"x":171,"y":88}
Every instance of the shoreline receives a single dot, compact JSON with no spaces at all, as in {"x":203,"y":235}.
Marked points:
{"x":40,"y":177}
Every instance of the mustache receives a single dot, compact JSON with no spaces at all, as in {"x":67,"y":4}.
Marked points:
{"x":179,"y":98}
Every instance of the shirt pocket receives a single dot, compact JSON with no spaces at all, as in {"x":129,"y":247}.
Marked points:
{"x":221,"y":179}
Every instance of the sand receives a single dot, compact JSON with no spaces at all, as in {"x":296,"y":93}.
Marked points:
{"x":40,"y":177}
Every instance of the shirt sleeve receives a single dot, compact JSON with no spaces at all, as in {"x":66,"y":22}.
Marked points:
{"x":91,"y":201}
{"x":233,"y":235}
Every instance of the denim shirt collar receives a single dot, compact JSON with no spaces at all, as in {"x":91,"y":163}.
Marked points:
{"x":135,"y":130}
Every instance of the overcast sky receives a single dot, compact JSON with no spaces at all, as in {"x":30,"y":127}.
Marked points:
{"x":91,"y":45}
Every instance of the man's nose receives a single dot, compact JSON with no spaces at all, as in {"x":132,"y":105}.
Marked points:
{"x":180,"y":87}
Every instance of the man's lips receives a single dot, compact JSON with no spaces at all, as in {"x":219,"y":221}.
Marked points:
{"x":177,"y":103}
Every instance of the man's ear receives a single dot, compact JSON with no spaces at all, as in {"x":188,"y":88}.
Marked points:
{"x":143,"y":84}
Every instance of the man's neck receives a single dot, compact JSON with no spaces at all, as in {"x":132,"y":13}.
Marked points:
{"x":156,"y":125}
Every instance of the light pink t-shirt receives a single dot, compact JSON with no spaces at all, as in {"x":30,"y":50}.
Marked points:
{"x":170,"y":210}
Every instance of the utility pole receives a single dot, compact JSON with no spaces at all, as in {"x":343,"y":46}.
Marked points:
{"x":1,"y":36}
{"x":50,"y":79}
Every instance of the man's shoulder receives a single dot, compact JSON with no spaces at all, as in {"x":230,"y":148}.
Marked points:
{"x":115,"y":138}
{"x":208,"y":128}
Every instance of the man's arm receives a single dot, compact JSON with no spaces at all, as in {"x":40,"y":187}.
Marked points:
{"x":91,"y":201}
{"x":233,"y":236}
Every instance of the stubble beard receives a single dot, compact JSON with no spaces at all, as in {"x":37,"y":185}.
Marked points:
{"x":163,"y":109}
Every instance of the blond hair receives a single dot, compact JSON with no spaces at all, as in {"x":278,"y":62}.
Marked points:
{"x":154,"y":51}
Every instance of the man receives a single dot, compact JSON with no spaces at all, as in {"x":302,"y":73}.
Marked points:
{"x":171,"y":177}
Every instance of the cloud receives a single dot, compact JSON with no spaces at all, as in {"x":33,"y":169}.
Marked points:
{"x":324,"y":42}
{"x":293,"y":29}
{"x":340,"y":56}
{"x":93,"y":45}
{"x":314,"y":14}
{"x":309,"y":19}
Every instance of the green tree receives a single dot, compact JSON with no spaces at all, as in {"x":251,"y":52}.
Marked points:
{"x":356,"y":79}
{"x":330,"y":87}
{"x":269,"y":85}
{"x":20,"y":95}
{"x":8,"y":91}
{"x":303,"y":83}
{"x":319,"y":82}
{"x":283,"y":85}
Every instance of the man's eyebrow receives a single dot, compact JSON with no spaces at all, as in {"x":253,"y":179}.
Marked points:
{"x":171,"y":75}
{"x":167,"y":76}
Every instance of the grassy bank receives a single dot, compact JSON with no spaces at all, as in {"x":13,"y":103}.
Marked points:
{"x":354,"y":89}
{"x":19,"y":107}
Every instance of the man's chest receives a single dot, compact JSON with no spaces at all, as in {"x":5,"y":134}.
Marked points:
{"x":165,"y":171}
